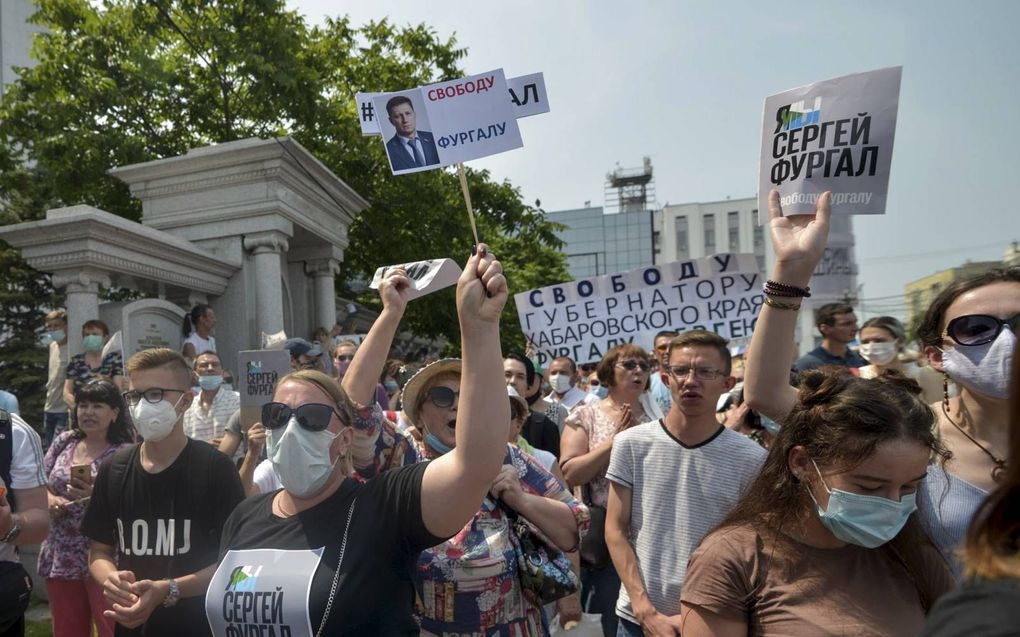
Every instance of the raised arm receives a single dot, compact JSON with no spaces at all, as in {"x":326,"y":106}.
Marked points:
{"x":799,"y":242}
{"x":454,"y":485}
{"x":362,"y":376}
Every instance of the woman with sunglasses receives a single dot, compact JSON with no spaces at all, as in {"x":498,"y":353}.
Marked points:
{"x":586,"y":445}
{"x":328,"y":555}
{"x":99,"y":426}
{"x":824,"y":541}
{"x":968,"y":336}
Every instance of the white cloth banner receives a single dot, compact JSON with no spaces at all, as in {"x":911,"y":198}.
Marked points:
{"x":583,"y":319}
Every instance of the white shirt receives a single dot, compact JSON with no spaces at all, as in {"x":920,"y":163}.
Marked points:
{"x":26,"y":469}
{"x":573,"y":398}
{"x":206,"y":425}
{"x":265,"y":478}
{"x":55,"y":381}
{"x":201,"y":344}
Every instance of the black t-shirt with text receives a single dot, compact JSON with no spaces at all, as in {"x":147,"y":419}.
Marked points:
{"x":375,"y":593}
{"x":165,"y":524}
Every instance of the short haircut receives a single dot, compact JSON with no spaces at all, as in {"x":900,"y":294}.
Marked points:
{"x":529,"y":367}
{"x":887,"y":323}
{"x":704,"y":338}
{"x":95,"y":324}
{"x":826,"y":315}
{"x":665,"y":333}
{"x":57,"y":315}
{"x":605,"y":370}
{"x":397,"y":101}
{"x":573,"y":366}
{"x":161,"y":357}
{"x":344,"y":343}
{"x":208,"y":352}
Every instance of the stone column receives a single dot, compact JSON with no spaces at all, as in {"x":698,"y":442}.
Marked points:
{"x":323,"y":273}
{"x":266,"y":248}
{"x":82,"y":290}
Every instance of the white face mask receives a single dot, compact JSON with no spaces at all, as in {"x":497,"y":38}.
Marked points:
{"x":560,"y":383}
{"x":881,"y":353}
{"x":155,"y":421}
{"x":301,"y":457}
{"x":982,"y":368}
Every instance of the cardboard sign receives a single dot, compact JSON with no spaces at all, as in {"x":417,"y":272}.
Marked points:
{"x":583,"y":319}
{"x":274,"y":341}
{"x":426,"y":276}
{"x":833,"y":135}
{"x":258,"y":371}
{"x":526,"y":93}
{"x":447,"y":123}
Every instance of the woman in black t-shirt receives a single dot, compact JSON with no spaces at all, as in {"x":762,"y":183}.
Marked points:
{"x":328,"y":555}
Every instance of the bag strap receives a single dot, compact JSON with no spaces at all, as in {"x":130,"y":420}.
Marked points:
{"x":336,"y":575}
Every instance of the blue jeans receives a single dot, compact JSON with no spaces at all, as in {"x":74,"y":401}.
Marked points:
{"x":629,"y":629}
{"x":56,"y":423}
{"x":599,"y":590}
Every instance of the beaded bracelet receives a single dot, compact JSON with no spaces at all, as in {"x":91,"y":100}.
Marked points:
{"x":775,"y":288}
{"x":781,"y":306}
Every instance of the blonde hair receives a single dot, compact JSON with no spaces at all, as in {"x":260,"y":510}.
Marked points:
{"x":57,"y":315}
{"x":160,"y":357}
{"x":342,"y":402}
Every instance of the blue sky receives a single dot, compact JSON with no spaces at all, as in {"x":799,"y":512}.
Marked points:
{"x":683,"y":83}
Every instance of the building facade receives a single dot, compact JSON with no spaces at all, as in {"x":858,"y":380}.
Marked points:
{"x":922,"y":292}
{"x":596,"y":243}
{"x":693,"y":230}
{"x":15,"y":39}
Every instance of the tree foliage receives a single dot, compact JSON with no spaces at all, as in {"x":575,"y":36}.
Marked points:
{"x":126,"y":81}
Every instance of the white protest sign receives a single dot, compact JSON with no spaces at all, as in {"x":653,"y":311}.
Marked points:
{"x":583,"y":319}
{"x":833,"y":135}
{"x":527,"y":97}
{"x":447,"y":123}
{"x":426,"y":276}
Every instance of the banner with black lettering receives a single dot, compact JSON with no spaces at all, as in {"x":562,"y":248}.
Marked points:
{"x":833,"y":135}
{"x":583,"y":319}
{"x":447,"y":123}
{"x":259,"y":369}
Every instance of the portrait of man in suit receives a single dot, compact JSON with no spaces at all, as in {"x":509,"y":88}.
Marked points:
{"x":410,"y":148}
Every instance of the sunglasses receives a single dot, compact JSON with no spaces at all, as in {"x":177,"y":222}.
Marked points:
{"x":311,"y":416}
{"x":345,"y":357}
{"x":443,"y":397}
{"x":632,"y":365}
{"x":978,"y":329}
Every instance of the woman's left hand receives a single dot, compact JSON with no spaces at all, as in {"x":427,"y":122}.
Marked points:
{"x":507,"y":486}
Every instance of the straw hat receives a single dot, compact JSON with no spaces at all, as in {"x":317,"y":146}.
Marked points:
{"x":420,"y":380}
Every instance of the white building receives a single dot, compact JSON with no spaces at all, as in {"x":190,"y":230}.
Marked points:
{"x":15,"y":38}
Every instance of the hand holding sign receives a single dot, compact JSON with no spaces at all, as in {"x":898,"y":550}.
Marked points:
{"x":799,"y":241}
{"x":395,"y":290}
{"x":481,"y":289}
{"x":423,"y":277}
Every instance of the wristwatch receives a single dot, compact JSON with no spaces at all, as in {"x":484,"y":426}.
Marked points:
{"x":14,"y":532}
{"x":173,"y":594}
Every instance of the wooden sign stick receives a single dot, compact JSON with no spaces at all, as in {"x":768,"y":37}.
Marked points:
{"x":467,"y":200}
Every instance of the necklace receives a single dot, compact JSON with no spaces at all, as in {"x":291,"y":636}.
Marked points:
{"x":999,"y":472}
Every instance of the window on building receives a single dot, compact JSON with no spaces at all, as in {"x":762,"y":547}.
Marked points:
{"x":709,"y":221}
{"x":759,"y":232}
{"x":733,"y":228}
{"x":683,"y":243}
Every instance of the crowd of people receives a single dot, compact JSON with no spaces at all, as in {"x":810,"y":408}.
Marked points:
{"x":693,"y":489}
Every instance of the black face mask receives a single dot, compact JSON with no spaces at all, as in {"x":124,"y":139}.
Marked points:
{"x":534,"y":397}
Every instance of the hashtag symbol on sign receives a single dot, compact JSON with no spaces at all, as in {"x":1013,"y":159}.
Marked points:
{"x":367,"y":111}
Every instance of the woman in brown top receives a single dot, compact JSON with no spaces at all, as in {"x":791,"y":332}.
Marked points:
{"x":825,"y":542}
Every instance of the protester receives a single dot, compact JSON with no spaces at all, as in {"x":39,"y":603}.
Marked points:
{"x":303,"y":355}
{"x":967,"y":335}
{"x":672,"y":480}
{"x":838,"y":326}
{"x":99,"y":427}
{"x":55,"y":412}
{"x":369,"y":534}
{"x":391,"y":386}
{"x":824,"y":541}
{"x":208,"y":415}
{"x":158,"y":507}
{"x":562,"y":380}
{"x":586,"y":444}
{"x":343,"y":354}
{"x":197,"y":330}
{"x":882,"y":339}
{"x":23,"y":517}
{"x":595,"y":387}
{"x":91,"y":364}
{"x":988,"y":603}
{"x":539,"y":430}
{"x":9,"y":402}
{"x":659,"y":389}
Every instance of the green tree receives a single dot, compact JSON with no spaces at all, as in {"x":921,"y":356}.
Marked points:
{"x":125,"y":81}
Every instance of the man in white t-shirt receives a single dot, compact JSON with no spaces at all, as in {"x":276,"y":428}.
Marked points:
{"x":55,"y":412}
{"x":207,"y":417}
{"x":27,"y":522}
{"x":563,"y":380}
{"x":671,"y":482}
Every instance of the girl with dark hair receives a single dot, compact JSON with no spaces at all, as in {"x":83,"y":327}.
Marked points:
{"x":197,"y":331}
{"x":99,"y":426}
{"x":988,"y":604}
{"x":825,"y":541}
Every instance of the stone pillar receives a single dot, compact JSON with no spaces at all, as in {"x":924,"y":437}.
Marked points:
{"x":323,"y":273}
{"x":82,"y":290}
{"x":266,"y":248}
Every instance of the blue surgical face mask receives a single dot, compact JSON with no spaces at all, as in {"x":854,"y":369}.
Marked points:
{"x":92,"y":343}
{"x":436,"y":444}
{"x":600,"y":390}
{"x":865,"y":520}
{"x":391,"y":386}
{"x":209,"y":383}
{"x":56,"y":335}
{"x":770,"y":425}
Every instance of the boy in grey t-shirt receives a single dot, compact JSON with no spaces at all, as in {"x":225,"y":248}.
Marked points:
{"x":671,"y":482}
